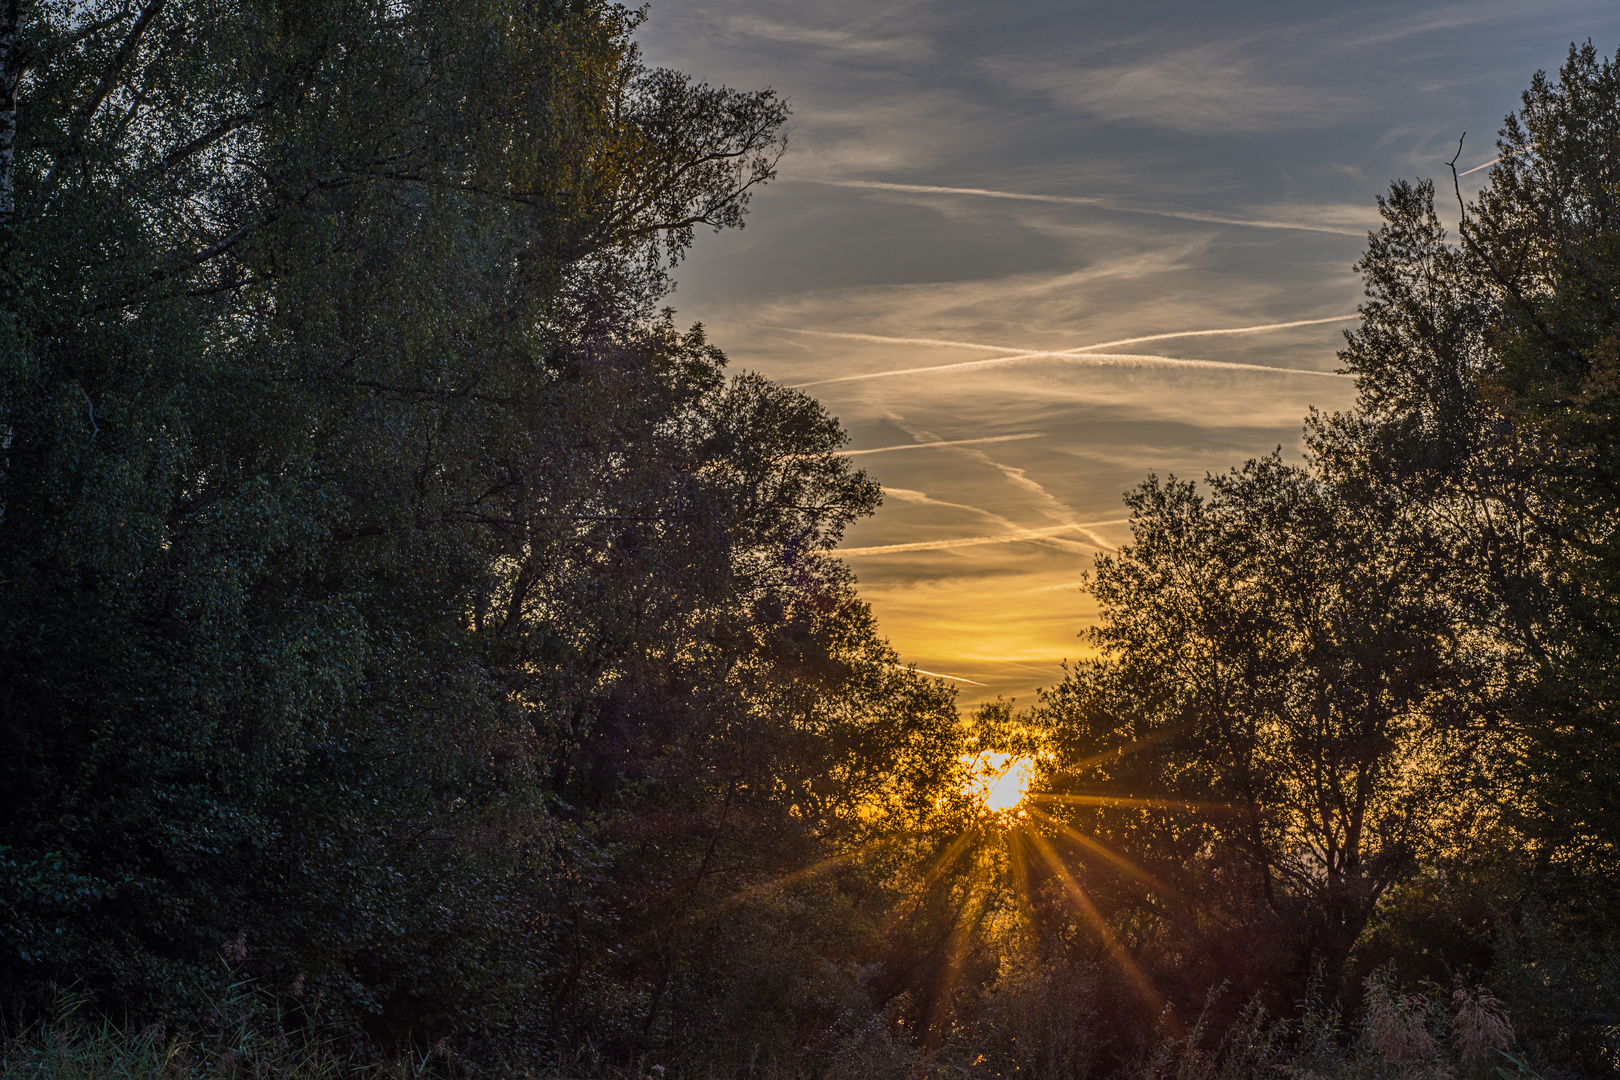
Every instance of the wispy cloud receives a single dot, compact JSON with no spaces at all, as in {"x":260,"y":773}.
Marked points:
{"x":1448,"y":20}
{"x":841,"y":40}
{"x":1202,"y":90}
{"x":1105,"y":204}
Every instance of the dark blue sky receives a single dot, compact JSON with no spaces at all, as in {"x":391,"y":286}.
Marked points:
{"x":976,"y":182}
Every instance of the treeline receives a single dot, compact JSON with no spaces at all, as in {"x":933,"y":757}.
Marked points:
{"x":409,"y":637}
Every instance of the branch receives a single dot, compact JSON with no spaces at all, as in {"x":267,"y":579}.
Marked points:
{"x":1490,"y":263}
{"x":87,"y":111}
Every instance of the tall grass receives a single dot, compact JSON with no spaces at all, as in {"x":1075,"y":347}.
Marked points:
{"x":1434,"y":1035}
{"x":1037,"y":1025}
{"x":242,"y":1035}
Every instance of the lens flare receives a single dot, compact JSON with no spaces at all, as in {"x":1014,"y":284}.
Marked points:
{"x":1001,"y":781}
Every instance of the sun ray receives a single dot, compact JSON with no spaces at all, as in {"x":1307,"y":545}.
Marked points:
{"x":957,"y":943}
{"x":1018,"y":865}
{"x":1134,"y":974}
{"x":1135,"y":803}
{"x":1128,"y":748}
{"x":1092,"y":845}
{"x":942,"y":863}
{"x":726,"y":903}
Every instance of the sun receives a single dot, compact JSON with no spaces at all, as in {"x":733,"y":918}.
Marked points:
{"x":1000,"y":781}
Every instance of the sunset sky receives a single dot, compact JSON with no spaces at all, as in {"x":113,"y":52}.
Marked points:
{"x":975,"y":181}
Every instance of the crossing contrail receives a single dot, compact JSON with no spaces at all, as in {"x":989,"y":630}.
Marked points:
{"x":982,"y":347}
{"x":1083,"y":352}
{"x":946,"y":442}
{"x":1047,"y":505}
{"x":1257,"y":329}
{"x":1089,"y":200}
{"x":924,"y":499}
{"x":1094,"y":359}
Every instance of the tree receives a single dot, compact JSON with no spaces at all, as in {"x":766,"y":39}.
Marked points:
{"x":1394,"y":667}
{"x":367,"y":536}
{"x":1520,"y":315}
{"x":1281,"y":680}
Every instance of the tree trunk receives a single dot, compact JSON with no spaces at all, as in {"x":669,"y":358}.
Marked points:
{"x":10,"y":70}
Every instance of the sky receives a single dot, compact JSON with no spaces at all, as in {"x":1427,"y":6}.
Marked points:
{"x":1031,"y":252}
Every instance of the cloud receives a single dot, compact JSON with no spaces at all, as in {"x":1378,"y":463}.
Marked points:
{"x":1059,"y":175}
{"x":1205,"y":90}
{"x":857,"y":41}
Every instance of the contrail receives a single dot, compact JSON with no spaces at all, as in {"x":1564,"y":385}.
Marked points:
{"x":974,"y":541}
{"x":947,"y":343}
{"x":1095,"y":359}
{"x":953,"y":678}
{"x":881,"y":340}
{"x":1048,"y":506}
{"x":1494,"y":160}
{"x":907,"y":495}
{"x":1058,"y":588}
{"x":1261,"y":328}
{"x":945,"y":442}
{"x":1085,"y":200}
